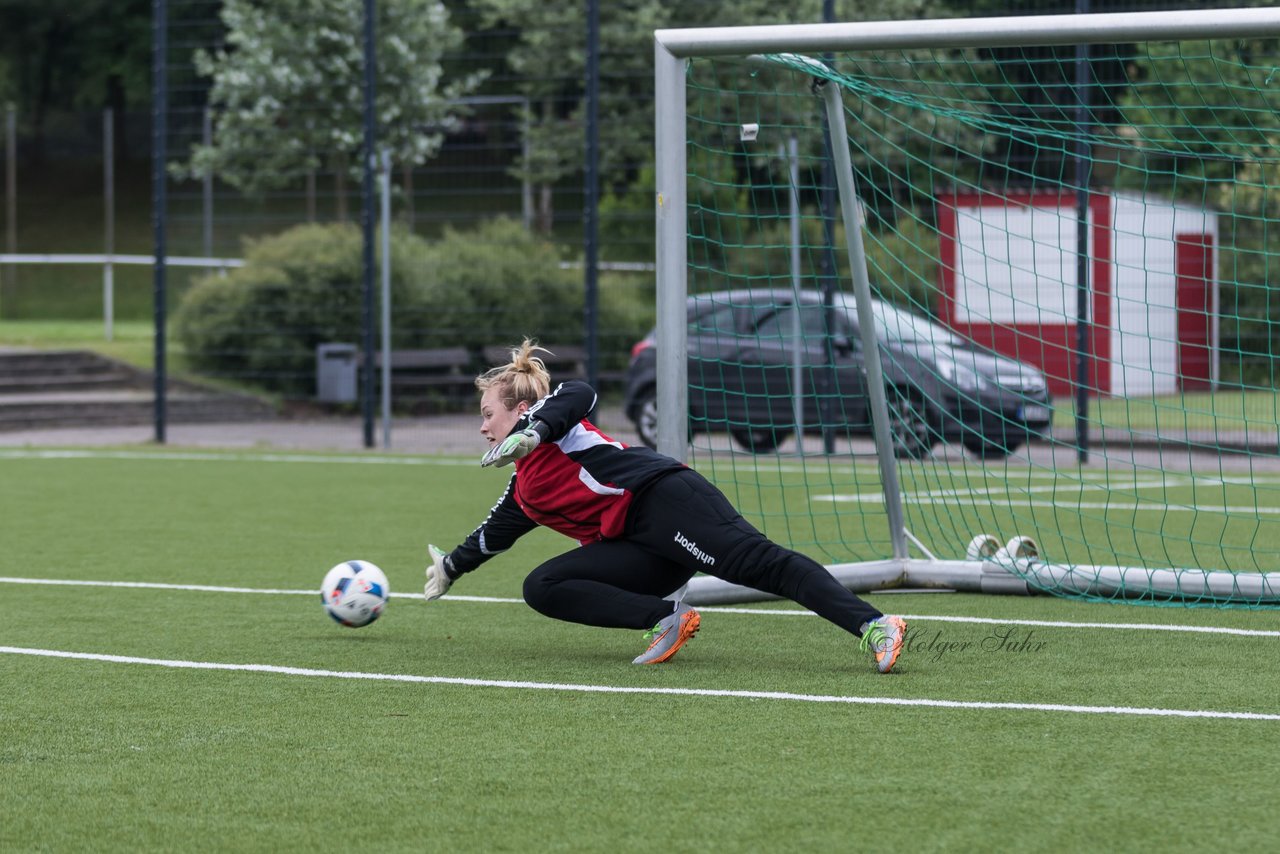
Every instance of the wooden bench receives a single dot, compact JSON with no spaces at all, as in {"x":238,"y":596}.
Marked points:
{"x":416,"y":374}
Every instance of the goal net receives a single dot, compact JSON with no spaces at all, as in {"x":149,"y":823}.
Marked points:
{"x":1065,"y":232}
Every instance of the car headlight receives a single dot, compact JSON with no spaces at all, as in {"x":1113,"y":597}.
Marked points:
{"x":965,"y":379}
{"x":1033,"y":381}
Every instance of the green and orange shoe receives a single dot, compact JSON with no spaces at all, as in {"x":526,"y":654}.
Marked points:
{"x":669,"y":635}
{"x":884,"y":637}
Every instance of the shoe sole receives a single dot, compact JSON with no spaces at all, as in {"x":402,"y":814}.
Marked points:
{"x":892,"y":654}
{"x":689,"y":625}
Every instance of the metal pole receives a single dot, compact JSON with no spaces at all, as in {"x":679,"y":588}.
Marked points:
{"x":827,"y":205}
{"x":866,"y":319}
{"x":311,"y":172}
{"x":206,"y":188}
{"x":671,"y":215}
{"x":160,"y":197}
{"x":311,"y":195}
{"x":1011,"y":31}
{"x":406,"y":182}
{"x":109,"y":220}
{"x":1084,"y":359}
{"x":386,"y":299}
{"x":367,"y":214}
{"x":11,"y":187}
{"x":591,"y":200}
{"x":526,"y":151}
{"x":792,"y":153}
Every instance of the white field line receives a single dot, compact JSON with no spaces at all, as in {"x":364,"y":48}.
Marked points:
{"x":1065,"y":504}
{"x":1068,"y":486}
{"x":631,"y":689}
{"x":712,"y":609}
{"x":235,"y":457}
{"x":1081,"y":479}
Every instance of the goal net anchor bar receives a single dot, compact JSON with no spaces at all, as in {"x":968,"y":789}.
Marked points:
{"x":1022,"y":577}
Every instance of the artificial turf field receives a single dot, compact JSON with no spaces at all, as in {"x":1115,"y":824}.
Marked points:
{"x":163,"y":717}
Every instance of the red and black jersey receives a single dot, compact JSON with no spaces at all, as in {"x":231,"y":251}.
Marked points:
{"x":578,"y":481}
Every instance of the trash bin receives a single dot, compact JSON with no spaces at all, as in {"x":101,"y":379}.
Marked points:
{"x":336,"y":373}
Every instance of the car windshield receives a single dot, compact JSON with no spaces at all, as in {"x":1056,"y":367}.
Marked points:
{"x":893,"y":325}
{"x":898,"y":326}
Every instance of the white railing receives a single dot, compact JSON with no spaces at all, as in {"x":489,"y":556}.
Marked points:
{"x":108,"y":263}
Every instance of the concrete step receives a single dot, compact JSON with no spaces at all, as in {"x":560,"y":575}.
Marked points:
{"x":97,"y":379}
{"x":75,"y":388}
{"x":25,"y":412}
{"x":17,"y":363}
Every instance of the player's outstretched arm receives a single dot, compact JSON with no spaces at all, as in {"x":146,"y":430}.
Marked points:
{"x":505,"y":524}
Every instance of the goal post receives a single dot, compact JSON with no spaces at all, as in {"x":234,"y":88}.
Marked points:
{"x":954,"y":245}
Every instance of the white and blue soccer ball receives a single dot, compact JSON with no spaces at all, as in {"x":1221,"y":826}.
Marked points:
{"x":355,"y":593}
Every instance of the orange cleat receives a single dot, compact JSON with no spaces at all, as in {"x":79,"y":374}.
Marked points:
{"x":884,"y":637}
{"x":669,"y":635}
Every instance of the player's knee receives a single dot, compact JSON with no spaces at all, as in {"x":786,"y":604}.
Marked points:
{"x":538,"y":586}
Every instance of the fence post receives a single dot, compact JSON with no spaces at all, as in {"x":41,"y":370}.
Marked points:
{"x":206,"y":188}
{"x":160,"y":207}
{"x":385,"y":190}
{"x":109,"y":221}
{"x":10,"y":189}
{"x":526,"y":152}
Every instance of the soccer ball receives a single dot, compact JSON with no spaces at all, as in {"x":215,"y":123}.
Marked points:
{"x":354,"y":593}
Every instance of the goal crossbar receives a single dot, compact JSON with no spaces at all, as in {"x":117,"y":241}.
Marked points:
{"x":972,"y":32}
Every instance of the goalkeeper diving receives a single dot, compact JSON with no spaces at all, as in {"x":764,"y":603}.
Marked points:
{"x":645,"y":524}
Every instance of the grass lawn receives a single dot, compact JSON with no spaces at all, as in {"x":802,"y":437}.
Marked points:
{"x":173,"y":717}
{"x":132,"y":341}
{"x":1226,"y":410}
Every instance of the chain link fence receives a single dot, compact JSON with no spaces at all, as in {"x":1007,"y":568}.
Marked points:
{"x":480,"y":107}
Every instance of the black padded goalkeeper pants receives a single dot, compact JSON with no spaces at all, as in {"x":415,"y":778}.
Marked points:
{"x":681,"y":525}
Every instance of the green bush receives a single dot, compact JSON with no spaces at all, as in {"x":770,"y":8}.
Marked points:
{"x":261,"y":323}
{"x":494,"y":284}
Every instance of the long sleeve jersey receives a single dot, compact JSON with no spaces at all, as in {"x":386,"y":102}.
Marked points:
{"x":578,"y":481}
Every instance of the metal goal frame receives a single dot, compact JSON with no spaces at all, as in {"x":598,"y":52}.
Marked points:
{"x":987,"y":567}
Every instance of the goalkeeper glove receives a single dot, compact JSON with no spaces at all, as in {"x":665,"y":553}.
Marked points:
{"x":513,"y":447}
{"x":438,"y":580}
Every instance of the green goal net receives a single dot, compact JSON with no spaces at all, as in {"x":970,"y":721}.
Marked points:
{"x":1072,"y":255}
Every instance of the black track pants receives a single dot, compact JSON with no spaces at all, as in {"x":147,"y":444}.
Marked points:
{"x":679,"y":526}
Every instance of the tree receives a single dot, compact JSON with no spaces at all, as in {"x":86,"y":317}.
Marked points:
{"x":74,"y":53}
{"x":287,"y":90}
{"x":548,"y":56}
{"x":1205,"y":117}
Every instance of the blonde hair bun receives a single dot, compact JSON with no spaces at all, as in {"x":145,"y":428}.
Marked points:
{"x":524,"y":378}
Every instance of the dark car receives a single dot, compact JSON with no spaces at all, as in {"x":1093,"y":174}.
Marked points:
{"x":748,"y":348}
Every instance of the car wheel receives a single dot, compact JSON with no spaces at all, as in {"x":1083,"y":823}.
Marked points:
{"x":759,"y":440}
{"x":646,"y":419}
{"x":909,"y":425}
{"x":985,"y":449}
